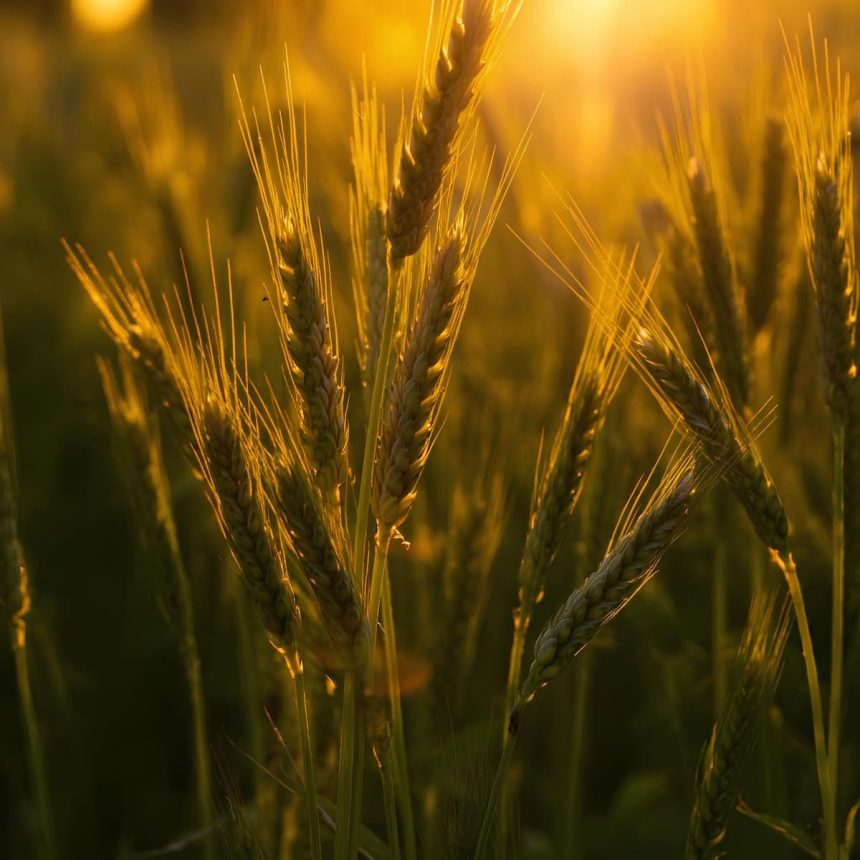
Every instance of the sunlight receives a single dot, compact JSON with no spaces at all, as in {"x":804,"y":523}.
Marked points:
{"x":106,"y":14}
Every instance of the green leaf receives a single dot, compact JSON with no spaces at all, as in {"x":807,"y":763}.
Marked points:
{"x":788,"y":831}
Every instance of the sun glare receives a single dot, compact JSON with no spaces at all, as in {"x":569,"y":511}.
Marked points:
{"x":106,"y":14}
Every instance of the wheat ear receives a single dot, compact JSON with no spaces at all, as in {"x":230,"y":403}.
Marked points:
{"x":302,"y":298}
{"x":418,"y":385}
{"x":129,"y":316}
{"x":431,"y":133}
{"x":734,"y":735}
{"x":605,"y":592}
{"x":322,"y":562}
{"x":686,"y":396}
{"x":367,"y":225}
{"x":631,"y":561}
{"x":719,"y":281}
{"x":769,"y":243}
{"x":819,"y":132}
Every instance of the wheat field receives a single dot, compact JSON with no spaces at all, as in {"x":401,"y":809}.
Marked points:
{"x":429,"y":429}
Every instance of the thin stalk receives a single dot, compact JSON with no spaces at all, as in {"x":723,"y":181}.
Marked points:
{"x":389,"y":797}
{"x":515,"y":664}
{"x":346,"y":777}
{"x":570,"y":845}
{"x":201,"y":743}
{"x":308,"y":770}
{"x":34,"y":742}
{"x":374,"y":416}
{"x":488,"y":824}
{"x":719,"y":610}
{"x":831,"y":835}
{"x":251,"y":687}
{"x":401,"y":768}
{"x":838,"y":620}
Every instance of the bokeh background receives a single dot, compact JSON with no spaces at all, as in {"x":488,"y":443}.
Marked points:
{"x":118,"y":129}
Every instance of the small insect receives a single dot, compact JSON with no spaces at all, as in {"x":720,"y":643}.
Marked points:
{"x":265,"y":298}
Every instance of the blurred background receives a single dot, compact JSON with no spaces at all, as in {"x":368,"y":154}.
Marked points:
{"x":119,"y":130}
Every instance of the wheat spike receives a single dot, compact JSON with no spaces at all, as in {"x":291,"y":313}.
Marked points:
{"x":769,"y":243}
{"x":367,"y":224}
{"x":718,"y":278}
{"x":446,"y":96}
{"x":628,"y":565}
{"x":708,"y":421}
{"x":129,"y":316}
{"x":418,"y":385}
{"x":819,"y":131}
{"x":321,"y":558}
{"x":302,"y":298}
{"x":734,"y":735}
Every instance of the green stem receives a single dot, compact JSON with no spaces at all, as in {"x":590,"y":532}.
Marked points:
{"x":38,"y":771}
{"x":515,"y":664}
{"x":831,"y":834}
{"x":249,"y":671}
{"x":401,"y":768}
{"x":201,"y":742}
{"x":309,"y":774}
{"x":346,"y":777}
{"x":488,"y":824}
{"x":719,"y":605}
{"x":380,"y":379}
{"x":838,"y":619}
{"x":571,"y":846}
{"x":389,"y":797}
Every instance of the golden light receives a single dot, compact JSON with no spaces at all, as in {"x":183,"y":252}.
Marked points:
{"x":106,"y":14}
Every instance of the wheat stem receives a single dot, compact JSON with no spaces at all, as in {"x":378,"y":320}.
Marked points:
{"x":294,"y":665}
{"x":785,"y":562}
{"x":489,"y":821}
{"x":719,"y":612}
{"x":201,"y":744}
{"x":401,"y":768}
{"x":838,"y":606}
{"x":571,"y":846}
{"x":35,"y":749}
{"x":389,"y":798}
{"x":351,"y":748}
